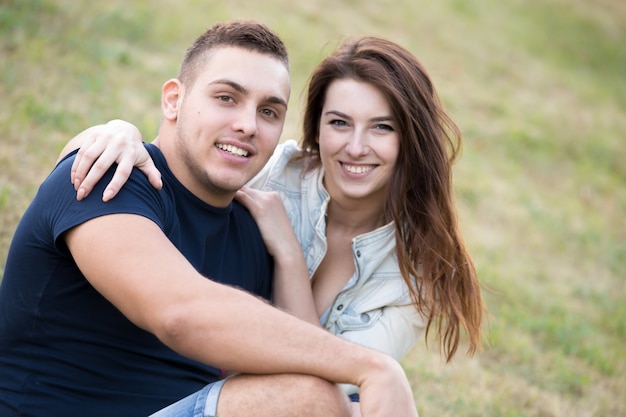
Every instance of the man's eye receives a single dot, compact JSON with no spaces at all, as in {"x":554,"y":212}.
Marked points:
{"x":225,"y":99}
{"x":269,"y":113}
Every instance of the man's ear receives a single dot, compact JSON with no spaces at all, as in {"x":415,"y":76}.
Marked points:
{"x":171,"y":96}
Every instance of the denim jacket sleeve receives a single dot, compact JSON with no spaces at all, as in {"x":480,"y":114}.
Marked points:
{"x":395,"y":331}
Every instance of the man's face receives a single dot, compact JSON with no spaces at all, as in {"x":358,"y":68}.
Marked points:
{"x":229,"y":122}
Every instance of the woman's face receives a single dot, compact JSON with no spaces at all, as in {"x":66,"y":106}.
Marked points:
{"x":358,"y":142}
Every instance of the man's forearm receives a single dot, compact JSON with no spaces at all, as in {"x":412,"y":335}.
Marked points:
{"x":156,"y":288}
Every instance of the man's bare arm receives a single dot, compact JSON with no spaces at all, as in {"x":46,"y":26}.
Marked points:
{"x":148,"y":279}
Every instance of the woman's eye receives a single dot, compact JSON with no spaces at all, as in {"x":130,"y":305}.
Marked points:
{"x":383,"y":126}
{"x":338,"y":122}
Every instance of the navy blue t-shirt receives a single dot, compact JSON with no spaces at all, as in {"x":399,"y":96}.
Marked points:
{"x":64,"y":349}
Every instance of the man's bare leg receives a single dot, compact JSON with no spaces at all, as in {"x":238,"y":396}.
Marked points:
{"x":283,"y":395}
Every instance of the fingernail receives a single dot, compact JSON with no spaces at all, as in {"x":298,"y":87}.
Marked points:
{"x":106,"y":196}
{"x":80,"y":194}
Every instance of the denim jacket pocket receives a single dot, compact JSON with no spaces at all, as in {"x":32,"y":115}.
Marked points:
{"x":352,"y":320}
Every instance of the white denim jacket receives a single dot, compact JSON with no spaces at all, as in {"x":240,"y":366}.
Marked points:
{"x":374,"y":309}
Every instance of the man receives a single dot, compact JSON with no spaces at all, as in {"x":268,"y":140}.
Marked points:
{"x":106,"y":309}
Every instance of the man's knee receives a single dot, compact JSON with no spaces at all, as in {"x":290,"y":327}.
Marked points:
{"x":321,"y":397}
{"x":282,"y":395}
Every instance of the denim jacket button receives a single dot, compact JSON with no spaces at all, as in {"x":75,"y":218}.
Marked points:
{"x":340,"y":307}
{"x":358,"y":254}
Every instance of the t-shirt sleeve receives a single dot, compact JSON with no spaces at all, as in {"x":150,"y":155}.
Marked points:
{"x":57,"y":198}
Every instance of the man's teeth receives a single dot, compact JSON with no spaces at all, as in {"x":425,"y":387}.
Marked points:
{"x":358,"y":169}
{"x":233,"y":149}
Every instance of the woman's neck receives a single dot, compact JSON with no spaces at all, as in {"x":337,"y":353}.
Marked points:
{"x":355,"y":217}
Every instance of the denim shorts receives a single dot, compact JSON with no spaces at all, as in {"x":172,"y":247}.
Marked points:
{"x":201,"y":403}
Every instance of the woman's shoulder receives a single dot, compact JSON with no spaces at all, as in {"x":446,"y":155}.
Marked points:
{"x":286,"y":166}
{"x":288,"y":151}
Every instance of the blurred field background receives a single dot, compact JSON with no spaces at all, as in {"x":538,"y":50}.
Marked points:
{"x":537,"y":86}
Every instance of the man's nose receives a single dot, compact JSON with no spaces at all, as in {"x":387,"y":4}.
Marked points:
{"x":246,"y":121}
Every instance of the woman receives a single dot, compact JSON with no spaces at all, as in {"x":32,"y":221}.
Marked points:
{"x":369,"y":196}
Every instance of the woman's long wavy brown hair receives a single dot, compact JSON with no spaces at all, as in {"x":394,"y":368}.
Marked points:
{"x":431,"y":253}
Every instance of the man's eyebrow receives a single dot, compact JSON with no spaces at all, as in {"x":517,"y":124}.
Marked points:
{"x":241,"y":89}
{"x":276,"y":100}
{"x":236,"y":86}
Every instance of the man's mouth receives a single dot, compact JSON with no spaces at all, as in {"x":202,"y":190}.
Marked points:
{"x":233,"y":150}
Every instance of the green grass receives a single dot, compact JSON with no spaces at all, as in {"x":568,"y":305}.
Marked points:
{"x":537,"y":87}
